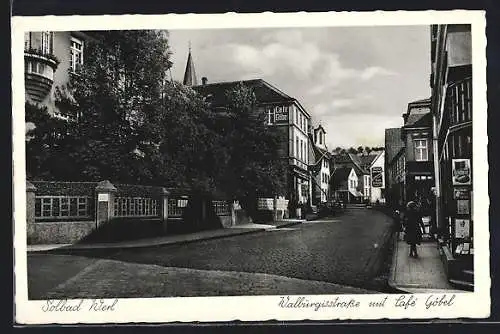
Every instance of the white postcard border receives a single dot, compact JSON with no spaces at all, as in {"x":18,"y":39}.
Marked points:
{"x":254,"y":308}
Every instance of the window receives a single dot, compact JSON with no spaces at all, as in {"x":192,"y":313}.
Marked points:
{"x":270,"y":115}
{"x":62,"y":207}
{"x":421,"y":153}
{"x":76,"y":54}
{"x":301,"y":150}
{"x":296,"y":116}
{"x":46,"y":46}
{"x":297,"y":147}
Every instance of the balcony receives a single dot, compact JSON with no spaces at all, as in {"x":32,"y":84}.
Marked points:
{"x":39,"y":69}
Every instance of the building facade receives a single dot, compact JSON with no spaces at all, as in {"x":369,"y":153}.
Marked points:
{"x":345,"y":184}
{"x":451,"y":84}
{"x":416,"y":134}
{"x":377,"y":178}
{"x":350,"y":160}
{"x":394,"y":167}
{"x":320,"y":167}
{"x":50,"y":58}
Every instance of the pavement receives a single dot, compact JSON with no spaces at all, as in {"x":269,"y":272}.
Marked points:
{"x":171,"y":239}
{"x":329,"y":256}
{"x":424,"y":274}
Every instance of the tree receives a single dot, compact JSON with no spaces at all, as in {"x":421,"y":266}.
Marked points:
{"x":254,"y":166}
{"x":113,"y":98}
{"x":368,"y":150}
{"x":337,"y":150}
{"x":352,"y":150}
{"x":360,"y":150}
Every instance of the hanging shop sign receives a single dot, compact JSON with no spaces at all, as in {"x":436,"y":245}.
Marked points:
{"x":281,"y":115}
{"x":461,"y":193}
{"x":377,"y":180}
{"x":461,"y":172}
{"x":462,"y":228}
{"x":463,"y":206}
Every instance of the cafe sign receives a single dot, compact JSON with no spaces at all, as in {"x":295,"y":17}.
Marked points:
{"x":281,"y":115}
{"x":461,"y":172}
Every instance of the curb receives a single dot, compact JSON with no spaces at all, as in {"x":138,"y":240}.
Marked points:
{"x":119,"y":247}
{"x":391,"y":281}
{"x":290,"y":224}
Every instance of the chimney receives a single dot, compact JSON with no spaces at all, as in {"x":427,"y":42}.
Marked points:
{"x":204,"y":80}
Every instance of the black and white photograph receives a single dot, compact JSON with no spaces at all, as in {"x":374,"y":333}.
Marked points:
{"x":288,"y":166}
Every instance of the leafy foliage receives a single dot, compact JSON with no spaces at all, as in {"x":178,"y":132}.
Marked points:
{"x":253,"y":164}
{"x":127,"y":123}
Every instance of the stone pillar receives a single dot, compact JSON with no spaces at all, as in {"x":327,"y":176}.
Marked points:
{"x":30,"y":208}
{"x":105,"y":199}
{"x":233,"y":213}
{"x":164,"y":208}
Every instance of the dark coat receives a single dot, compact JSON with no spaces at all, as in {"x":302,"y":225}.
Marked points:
{"x":413,"y":228}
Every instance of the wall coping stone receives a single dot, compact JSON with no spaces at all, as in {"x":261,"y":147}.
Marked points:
{"x":30,"y":187}
{"x":105,"y":186}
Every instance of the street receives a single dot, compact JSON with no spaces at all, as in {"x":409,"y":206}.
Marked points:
{"x":344,"y":254}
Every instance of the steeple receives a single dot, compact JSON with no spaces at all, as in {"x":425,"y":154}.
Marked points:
{"x":190,"y":73}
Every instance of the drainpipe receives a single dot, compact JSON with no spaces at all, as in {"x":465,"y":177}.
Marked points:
{"x":437,"y":176}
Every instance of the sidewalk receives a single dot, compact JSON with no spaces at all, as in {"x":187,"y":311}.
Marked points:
{"x":172,"y":239}
{"x":424,"y":274}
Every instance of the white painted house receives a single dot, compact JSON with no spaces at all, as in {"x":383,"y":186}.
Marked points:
{"x":377,"y":176}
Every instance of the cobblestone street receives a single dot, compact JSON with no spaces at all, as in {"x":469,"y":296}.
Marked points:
{"x":346,"y":250}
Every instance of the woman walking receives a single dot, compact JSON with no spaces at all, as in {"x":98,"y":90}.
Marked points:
{"x":413,"y":228}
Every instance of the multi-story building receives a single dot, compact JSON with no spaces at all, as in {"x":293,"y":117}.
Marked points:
{"x":282,"y":112}
{"x":321,"y":166}
{"x":345,"y":185}
{"x":289,"y":117}
{"x":416,"y":133}
{"x":50,"y":58}
{"x":362,"y":190}
{"x":451,"y":84}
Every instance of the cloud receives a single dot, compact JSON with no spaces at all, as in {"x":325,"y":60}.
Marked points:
{"x":373,"y":71}
{"x":341,"y":103}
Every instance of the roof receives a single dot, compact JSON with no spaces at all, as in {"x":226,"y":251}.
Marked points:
{"x":422,"y":101}
{"x":351,"y":160}
{"x":342,"y":173}
{"x":367,"y":160}
{"x":190,"y":74}
{"x":419,"y":120}
{"x":265,"y":93}
{"x":358,"y":163}
{"x":393,"y":142}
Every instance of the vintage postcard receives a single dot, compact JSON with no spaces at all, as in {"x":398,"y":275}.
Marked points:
{"x":253,"y":167}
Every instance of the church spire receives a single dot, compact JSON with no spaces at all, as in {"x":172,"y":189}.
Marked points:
{"x":190,"y":73}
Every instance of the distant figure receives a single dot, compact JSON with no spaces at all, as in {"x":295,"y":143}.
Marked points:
{"x":413,"y":228}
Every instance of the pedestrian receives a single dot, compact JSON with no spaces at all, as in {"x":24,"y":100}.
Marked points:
{"x":413,"y":228}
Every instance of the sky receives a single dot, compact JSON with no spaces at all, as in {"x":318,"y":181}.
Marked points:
{"x":354,"y":81}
